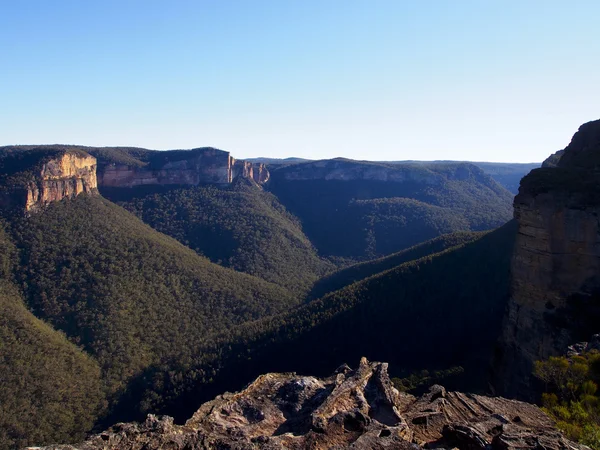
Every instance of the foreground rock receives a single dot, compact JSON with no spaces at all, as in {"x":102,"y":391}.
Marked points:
{"x":352,"y":409}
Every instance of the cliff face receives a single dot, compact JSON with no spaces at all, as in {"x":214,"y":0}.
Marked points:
{"x":48,"y":178}
{"x":191,"y":167}
{"x":352,"y":409}
{"x":555,"y":292}
{"x":255,"y":171}
{"x":65,"y":176}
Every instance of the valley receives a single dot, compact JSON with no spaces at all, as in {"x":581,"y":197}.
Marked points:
{"x":153,"y":281}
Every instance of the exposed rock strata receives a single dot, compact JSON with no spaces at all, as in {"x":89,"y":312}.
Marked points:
{"x":556,"y":263}
{"x":352,"y":409}
{"x":33,"y":176}
{"x":191,"y":167}
{"x":64,"y":175}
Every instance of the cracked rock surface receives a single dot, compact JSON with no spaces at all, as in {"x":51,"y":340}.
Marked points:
{"x":352,"y":409}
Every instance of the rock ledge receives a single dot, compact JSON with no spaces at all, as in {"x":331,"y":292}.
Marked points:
{"x":352,"y":409}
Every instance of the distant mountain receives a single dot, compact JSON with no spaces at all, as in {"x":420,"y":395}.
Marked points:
{"x":278,"y":161}
{"x":506,"y":174}
{"x":360,"y":209}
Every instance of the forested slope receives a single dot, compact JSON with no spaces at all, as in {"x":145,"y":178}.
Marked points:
{"x":348,"y":275}
{"x":439,"y":311}
{"x":126,"y":293}
{"x":240,"y":226}
{"x":50,"y":390}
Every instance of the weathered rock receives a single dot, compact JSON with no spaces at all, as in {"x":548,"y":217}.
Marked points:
{"x":556,"y":262}
{"x":582,"y":347}
{"x":191,"y":167}
{"x":63,"y":175}
{"x":352,"y":409}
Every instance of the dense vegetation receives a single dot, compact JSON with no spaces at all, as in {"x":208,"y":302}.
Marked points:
{"x":417,"y":382}
{"x":360,"y":271}
{"x":130,"y":296}
{"x":240,"y":226}
{"x":438,"y":312}
{"x":105,"y":318}
{"x":50,"y":391}
{"x":572,"y":396}
{"x":365,"y":218}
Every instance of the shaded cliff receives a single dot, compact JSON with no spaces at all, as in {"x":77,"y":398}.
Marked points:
{"x":30,"y":180}
{"x":124,"y":167}
{"x":555,"y":269}
{"x":352,"y":409}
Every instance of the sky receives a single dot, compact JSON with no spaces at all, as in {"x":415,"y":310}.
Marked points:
{"x":478,"y":80}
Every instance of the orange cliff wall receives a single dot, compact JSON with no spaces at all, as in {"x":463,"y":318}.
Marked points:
{"x":64,"y":176}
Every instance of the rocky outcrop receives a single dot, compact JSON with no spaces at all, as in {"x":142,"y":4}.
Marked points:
{"x":33,"y":176}
{"x":254,"y":171}
{"x":65,"y":176}
{"x":191,"y":167}
{"x":352,"y":409}
{"x":62,"y":175}
{"x":555,"y":295}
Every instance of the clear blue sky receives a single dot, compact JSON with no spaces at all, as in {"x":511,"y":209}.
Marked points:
{"x":373,"y":79}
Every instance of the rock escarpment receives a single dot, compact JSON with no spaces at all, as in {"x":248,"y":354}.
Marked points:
{"x":555,"y":271}
{"x":51,"y":178}
{"x":353,"y":409}
{"x":33,"y":176}
{"x":190,"y":167}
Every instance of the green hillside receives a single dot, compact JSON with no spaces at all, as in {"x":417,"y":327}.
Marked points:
{"x":344,"y":277}
{"x":363,"y":217}
{"x":50,"y":389}
{"x":436,"y":312}
{"x":128,"y":294}
{"x":240,"y":226}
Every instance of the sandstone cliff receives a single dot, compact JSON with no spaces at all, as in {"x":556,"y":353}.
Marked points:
{"x":33,"y":176}
{"x":555,"y":293}
{"x":177,"y":167}
{"x":352,"y":409}
{"x":51,"y":178}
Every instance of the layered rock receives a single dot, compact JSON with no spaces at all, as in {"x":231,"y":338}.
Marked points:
{"x":192,"y":167}
{"x":556,"y":263}
{"x":62,"y":175}
{"x":353,"y":409}
{"x":245,"y":169}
